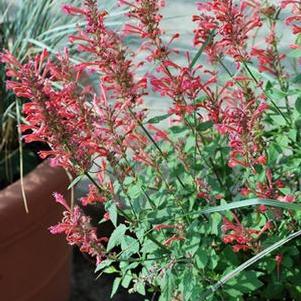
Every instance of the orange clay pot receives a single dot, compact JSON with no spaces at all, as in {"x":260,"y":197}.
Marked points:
{"x":34,"y":264}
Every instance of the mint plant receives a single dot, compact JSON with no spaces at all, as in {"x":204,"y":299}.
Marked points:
{"x":207,"y":207}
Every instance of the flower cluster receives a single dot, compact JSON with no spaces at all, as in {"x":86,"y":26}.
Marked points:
{"x":147,"y":14}
{"x":78,"y":230}
{"x":59,"y":118}
{"x":295,"y":19}
{"x":231,"y":25}
{"x":240,"y":120}
{"x":93,"y":196}
{"x":180,"y":83}
{"x":240,"y":237}
{"x":269,"y":59}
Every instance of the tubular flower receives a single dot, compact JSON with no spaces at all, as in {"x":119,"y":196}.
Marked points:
{"x":59,"y":118}
{"x":240,"y":120}
{"x":180,"y":83}
{"x":240,"y":237}
{"x":231,"y":24}
{"x":104,"y":131}
{"x":110,"y":57}
{"x":64,"y":118}
{"x":92,"y":197}
{"x":78,"y":230}
{"x":121,"y":94}
{"x":269,"y":189}
{"x":146,"y":12}
{"x":270,"y":59}
{"x":295,"y":19}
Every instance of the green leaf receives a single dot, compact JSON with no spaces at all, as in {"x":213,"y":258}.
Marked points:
{"x":116,"y":236}
{"x":125,"y":266}
{"x":140,"y":288}
{"x":298,"y":104}
{"x":274,"y":152}
{"x":215,"y":220}
{"x":128,"y":180}
{"x":232,"y":292}
{"x":187,"y":284}
{"x":193,"y":239}
{"x":149,"y":247}
{"x":268,"y":85}
{"x":75,"y":181}
{"x":200,"y":51}
{"x":110,"y":270}
{"x":167,"y":285}
{"x":213,"y":259}
{"x":204,"y":126}
{"x":105,"y":263}
{"x":158,"y":119}
{"x":283,"y":141}
{"x":177,"y":129}
{"x":298,"y":123}
{"x":201,"y":258}
{"x":137,"y":205}
{"x":134,"y":191}
{"x":140,"y":232}
{"x":278,"y":120}
{"x":296,"y":79}
{"x":116,"y":284}
{"x":126,"y":280}
{"x":112,"y":209}
{"x":129,"y":246}
{"x":296,"y":53}
{"x":190,"y":143}
{"x":276,"y":94}
{"x":200,"y":99}
{"x":249,"y":281}
{"x":193,"y":243}
{"x":159,"y":216}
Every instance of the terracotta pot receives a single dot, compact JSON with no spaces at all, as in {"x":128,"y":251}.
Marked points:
{"x":34,"y":264}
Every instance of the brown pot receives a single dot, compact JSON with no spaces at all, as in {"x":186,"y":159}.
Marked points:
{"x":34,"y":264}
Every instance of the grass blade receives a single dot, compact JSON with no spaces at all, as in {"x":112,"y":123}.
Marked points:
{"x":248,"y":263}
{"x":199,"y":53}
{"x":246,"y":203}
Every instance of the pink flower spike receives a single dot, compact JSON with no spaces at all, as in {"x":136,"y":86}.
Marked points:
{"x":57,"y":229}
{"x":72,"y":10}
{"x":287,"y":198}
{"x":262,"y":160}
{"x":60,"y":199}
{"x":163,"y":226}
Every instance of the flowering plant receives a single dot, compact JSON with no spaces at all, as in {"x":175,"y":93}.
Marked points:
{"x":203,"y":199}
{"x":21,"y":33}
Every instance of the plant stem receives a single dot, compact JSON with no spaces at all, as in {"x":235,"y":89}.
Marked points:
{"x":121,"y":212}
{"x":272,"y":101}
{"x":21,"y":157}
{"x":155,"y":144}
